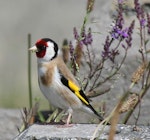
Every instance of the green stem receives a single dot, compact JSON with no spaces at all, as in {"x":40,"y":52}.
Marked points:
{"x":84,"y":23}
{"x":29,"y":72}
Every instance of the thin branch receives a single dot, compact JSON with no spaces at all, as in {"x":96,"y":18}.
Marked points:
{"x":114,"y":73}
{"x":29,"y":71}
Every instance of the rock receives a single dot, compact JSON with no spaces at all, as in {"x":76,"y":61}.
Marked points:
{"x":83,"y":131}
{"x":10,"y":120}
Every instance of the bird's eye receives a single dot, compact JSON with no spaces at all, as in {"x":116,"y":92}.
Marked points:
{"x":41,"y":48}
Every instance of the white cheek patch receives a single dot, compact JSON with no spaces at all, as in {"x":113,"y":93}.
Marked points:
{"x":49,"y":51}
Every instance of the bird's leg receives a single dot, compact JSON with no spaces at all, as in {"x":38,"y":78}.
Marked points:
{"x":70,"y":111}
{"x":68,"y":120}
{"x":67,"y":124}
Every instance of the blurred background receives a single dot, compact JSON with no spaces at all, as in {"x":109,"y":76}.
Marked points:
{"x":54,"y":19}
{"x":47,"y":18}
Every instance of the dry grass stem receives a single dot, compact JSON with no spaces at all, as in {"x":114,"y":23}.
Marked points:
{"x":139,"y":73}
{"x":97,"y":92}
{"x":79,"y":54}
{"x":65,"y":51}
{"x":90,"y":5}
{"x":129,"y":103}
{"x":28,"y":116}
{"x":115,"y":118}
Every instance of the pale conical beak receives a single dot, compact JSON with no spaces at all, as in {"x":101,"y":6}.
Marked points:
{"x":33,"y":49}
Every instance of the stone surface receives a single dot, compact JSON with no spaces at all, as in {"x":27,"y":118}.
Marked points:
{"x":10,"y":120}
{"x":13,"y":91}
{"x":82,"y":131}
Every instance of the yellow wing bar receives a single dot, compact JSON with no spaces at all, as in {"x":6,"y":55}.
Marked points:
{"x":76,"y":90}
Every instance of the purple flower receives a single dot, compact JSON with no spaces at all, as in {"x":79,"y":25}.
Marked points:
{"x":117,"y":30}
{"x":109,"y":53}
{"x":120,"y":20}
{"x":137,"y":9}
{"x":86,"y":37}
{"x":71,"y":49}
{"x":148,"y":23}
{"x":140,"y":13}
{"x":89,"y":37}
{"x":123,"y":46}
{"x":120,"y":1}
{"x":142,"y":22}
{"x":124,"y":33}
{"x":117,"y":33}
{"x":106,"y":51}
{"x":83,"y":34}
{"x":130,"y":32}
{"x":76,"y":36}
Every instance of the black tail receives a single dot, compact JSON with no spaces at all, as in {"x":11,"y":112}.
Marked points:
{"x":95,"y":112}
{"x":98,"y":115}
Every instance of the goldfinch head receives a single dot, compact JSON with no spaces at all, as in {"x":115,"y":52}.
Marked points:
{"x":45,"y":48}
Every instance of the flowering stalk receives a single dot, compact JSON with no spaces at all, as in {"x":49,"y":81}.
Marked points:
{"x":118,"y":25}
{"x":140,"y":13}
{"x":148,"y":23}
{"x":119,"y":33}
{"x":128,"y":40}
{"x":121,"y":36}
{"x":65,"y":51}
{"x":90,"y":5}
{"x":142,"y":21}
{"x":84,"y":39}
{"x":73,"y":60}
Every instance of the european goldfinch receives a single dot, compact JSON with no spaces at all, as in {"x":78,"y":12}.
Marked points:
{"x":56,"y":81}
